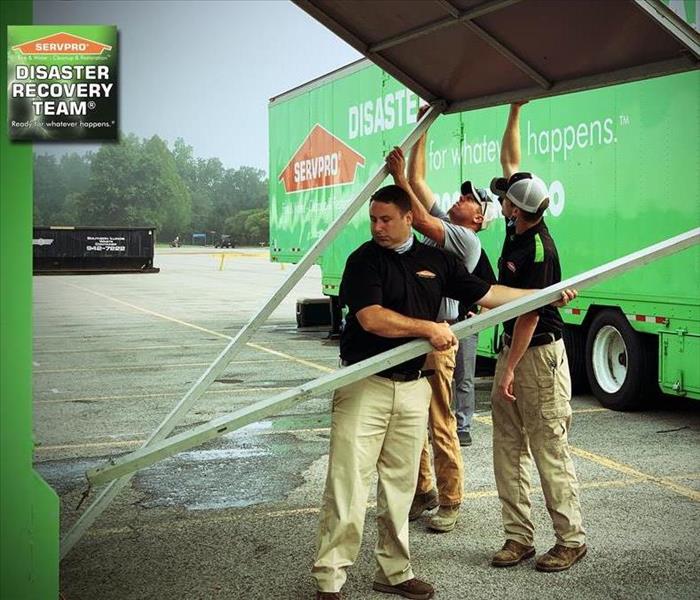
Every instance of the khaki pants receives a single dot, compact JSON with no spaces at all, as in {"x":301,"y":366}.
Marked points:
{"x":376,"y":424}
{"x":449,"y":468}
{"x":536,"y":425}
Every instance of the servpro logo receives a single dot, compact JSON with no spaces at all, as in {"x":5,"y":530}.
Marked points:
{"x":62,"y":82}
{"x":321,"y":161}
{"x":61,"y":43}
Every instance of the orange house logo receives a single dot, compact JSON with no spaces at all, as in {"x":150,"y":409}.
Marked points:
{"x":61,"y":43}
{"x":321,"y":161}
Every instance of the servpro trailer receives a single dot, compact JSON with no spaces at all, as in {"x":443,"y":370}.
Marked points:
{"x":621,"y":163}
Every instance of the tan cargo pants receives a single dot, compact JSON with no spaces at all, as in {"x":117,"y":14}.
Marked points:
{"x":376,"y":424}
{"x":536,"y":425}
{"x":447,"y":456}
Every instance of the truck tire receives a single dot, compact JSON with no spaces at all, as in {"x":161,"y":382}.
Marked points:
{"x":575,"y":342}
{"x":620,"y":363}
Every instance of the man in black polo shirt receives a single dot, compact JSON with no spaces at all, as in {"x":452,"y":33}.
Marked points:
{"x":531,"y":393}
{"x":392,"y":286}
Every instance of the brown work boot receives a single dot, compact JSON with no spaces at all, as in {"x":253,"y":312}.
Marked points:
{"x":560,"y":558}
{"x":328,"y":596}
{"x":413,"y":588}
{"x":445,"y":519}
{"x":511,"y":554}
{"x":422,"y":502}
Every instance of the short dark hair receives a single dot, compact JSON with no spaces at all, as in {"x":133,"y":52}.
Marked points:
{"x":529,"y":217}
{"x":393,"y":194}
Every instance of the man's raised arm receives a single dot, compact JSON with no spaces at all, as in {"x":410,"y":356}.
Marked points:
{"x":416,"y":168}
{"x":510,"y":145}
{"x":423,"y":221}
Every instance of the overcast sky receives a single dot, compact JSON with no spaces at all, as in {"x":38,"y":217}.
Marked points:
{"x":204,"y":71}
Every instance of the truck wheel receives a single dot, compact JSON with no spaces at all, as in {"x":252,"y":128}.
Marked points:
{"x":575,"y":342}
{"x":620,"y":363}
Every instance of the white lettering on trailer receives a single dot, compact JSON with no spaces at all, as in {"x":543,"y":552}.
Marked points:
{"x":392,"y":110}
{"x":557,"y":198}
{"x":317,"y":167}
{"x":563,"y":141}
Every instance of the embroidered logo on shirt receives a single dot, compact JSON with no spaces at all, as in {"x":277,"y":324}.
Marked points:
{"x":426,"y":274}
{"x":511,"y":266}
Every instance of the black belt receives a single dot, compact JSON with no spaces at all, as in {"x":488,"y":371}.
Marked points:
{"x":539,"y":339}
{"x":399,"y":376}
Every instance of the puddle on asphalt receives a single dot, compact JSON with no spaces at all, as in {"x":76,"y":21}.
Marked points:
{"x":223,"y":454}
{"x":242,"y":469}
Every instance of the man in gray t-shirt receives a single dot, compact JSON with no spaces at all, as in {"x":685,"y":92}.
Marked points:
{"x":455,"y":231}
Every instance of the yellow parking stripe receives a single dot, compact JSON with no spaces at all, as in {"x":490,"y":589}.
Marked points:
{"x":223,"y":517}
{"x":158,"y":395}
{"x":140,"y":442}
{"x":125,"y":349}
{"x":204,"y":329}
{"x":301,"y":361}
{"x":622,"y":468}
{"x":627,"y":470}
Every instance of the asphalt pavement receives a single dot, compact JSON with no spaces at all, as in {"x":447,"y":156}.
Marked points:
{"x":236,"y":518}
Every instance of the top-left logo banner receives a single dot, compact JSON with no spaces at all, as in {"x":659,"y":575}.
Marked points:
{"x":62,"y":82}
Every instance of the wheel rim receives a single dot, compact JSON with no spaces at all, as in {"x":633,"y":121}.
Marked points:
{"x":609,"y":359}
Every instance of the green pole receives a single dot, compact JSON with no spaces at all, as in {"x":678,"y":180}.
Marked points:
{"x":28,"y":506}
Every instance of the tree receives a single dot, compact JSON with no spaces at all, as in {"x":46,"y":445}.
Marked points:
{"x":249,"y":226}
{"x":49,"y":190}
{"x":143,"y":183}
{"x":135,"y":184}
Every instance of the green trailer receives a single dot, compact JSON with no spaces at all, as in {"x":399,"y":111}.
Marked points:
{"x":621,"y":165}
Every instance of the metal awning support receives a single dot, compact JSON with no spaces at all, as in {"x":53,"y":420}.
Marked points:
{"x":670,"y":21}
{"x":589,"y":82}
{"x":362,"y":46}
{"x":147,"y":456}
{"x":455,"y":15}
{"x":497,"y":45}
{"x":504,"y":52}
{"x":245,"y":334}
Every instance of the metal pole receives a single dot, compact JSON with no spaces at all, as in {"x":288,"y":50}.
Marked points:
{"x":222,"y":361}
{"x":228,"y":423}
{"x":672,"y":23}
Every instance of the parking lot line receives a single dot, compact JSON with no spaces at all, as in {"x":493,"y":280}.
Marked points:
{"x":313,"y":510}
{"x":263,"y":432}
{"x":631,"y":471}
{"x":301,"y":361}
{"x":126,"y":349}
{"x":157,"y":395}
{"x":193,"y":326}
{"x":119,"y":368}
{"x":613,"y":465}
{"x":282,"y":355}
{"x":148,"y":311}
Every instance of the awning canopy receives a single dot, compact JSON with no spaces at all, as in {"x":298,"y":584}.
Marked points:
{"x":476,"y":53}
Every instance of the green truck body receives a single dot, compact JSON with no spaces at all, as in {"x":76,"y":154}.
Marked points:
{"x":621,"y":164}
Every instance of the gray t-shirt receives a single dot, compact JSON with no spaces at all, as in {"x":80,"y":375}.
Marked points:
{"x":465,"y":245}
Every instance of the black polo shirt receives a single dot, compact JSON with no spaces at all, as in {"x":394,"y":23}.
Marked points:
{"x":510,"y":235}
{"x":412,"y":284}
{"x":484,"y":271}
{"x":530,"y":261}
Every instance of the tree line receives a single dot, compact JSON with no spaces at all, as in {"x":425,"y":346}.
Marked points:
{"x":144,"y":183}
